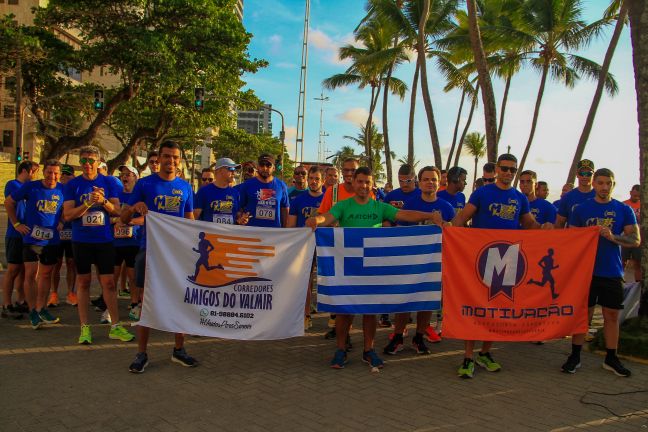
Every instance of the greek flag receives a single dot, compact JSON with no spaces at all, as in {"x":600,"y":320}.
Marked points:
{"x":378,"y":270}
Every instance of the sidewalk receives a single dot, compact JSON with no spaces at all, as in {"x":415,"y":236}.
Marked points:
{"x":49,"y":383}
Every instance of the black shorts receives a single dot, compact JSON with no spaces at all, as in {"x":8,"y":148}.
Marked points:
{"x":607,"y":292}
{"x":14,"y":250}
{"x":126,"y":254}
{"x":101,"y":254}
{"x":140,"y":268}
{"x":65,"y":250}
{"x":631,"y":254}
{"x":46,"y":255}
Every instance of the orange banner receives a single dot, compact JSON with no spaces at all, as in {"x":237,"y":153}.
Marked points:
{"x":516,"y":285}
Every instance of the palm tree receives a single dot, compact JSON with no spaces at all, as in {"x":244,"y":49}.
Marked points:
{"x":553,"y":30}
{"x":370,"y":63}
{"x":405,"y":161}
{"x":618,"y":9}
{"x":377,"y":149}
{"x":475,"y":145}
{"x":344,"y":153}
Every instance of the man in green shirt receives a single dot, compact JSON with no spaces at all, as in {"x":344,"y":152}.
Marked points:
{"x":362,"y":211}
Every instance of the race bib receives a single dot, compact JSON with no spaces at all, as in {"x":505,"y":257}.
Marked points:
{"x":40,"y":233}
{"x":65,"y":234}
{"x":223,"y":219}
{"x":266,"y":213}
{"x":95,"y":218}
{"x":124,"y":231}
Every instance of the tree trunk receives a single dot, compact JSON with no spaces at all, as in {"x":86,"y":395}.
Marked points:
{"x":534,"y":123}
{"x":375,"y":93}
{"x":638,"y":13}
{"x":503,"y":110}
{"x":410,"y":132}
{"x":427,"y":101}
{"x":466,"y":127}
{"x":488,"y":97}
{"x":475,"y":172}
{"x":456,"y":129}
{"x":591,"y":115}
{"x":385,"y":127}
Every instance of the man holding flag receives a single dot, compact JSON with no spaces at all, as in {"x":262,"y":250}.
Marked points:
{"x":363,"y":211}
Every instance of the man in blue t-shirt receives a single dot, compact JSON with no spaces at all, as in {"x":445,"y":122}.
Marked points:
{"x":161,"y":192}
{"x":429,"y":180}
{"x":494,"y":206}
{"x":576,"y":196}
{"x":218,"y":202}
{"x":13,"y":248}
{"x":567,"y":187}
{"x":300,"y":183}
{"x":264,"y":198}
{"x":90,"y":201}
{"x":619,"y":228}
{"x":453,"y":193}
{"x":43,"y":207}
{"x":407,"y":189}
{"x":541,"y":209}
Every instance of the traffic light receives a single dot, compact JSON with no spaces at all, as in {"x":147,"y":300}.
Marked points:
{"x":19,"y":156}
{"x":98,"y":100}
{"x":278,"y":165}
{"x":199,"y":98}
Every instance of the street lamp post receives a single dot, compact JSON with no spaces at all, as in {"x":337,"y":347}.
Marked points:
{"x":282,"y":137}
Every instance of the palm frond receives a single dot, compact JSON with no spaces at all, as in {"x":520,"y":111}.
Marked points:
{"x":592,"y":70}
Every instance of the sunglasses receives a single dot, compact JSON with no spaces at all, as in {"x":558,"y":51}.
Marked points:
{"x":87,"y":161}
{"x":154,"y":162}
{"x":488,"y":180}
{"x":585,"y":173}
{"x":207,"y":179}
{"x":300,"y":173}
{"x":265,"y":164}
{"x":512,"y":170}
{"x":408,"y":181}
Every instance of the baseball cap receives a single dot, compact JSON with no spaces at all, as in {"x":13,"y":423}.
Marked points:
{"x":129,"y":168}
{"x":586,"y":164}
{"x":67,"y":169}
{"x":102,"y":165}
{"x":226,"y":162}
{"x":266,"y":158}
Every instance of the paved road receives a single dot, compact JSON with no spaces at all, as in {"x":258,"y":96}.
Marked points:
{"x":48,"y":383}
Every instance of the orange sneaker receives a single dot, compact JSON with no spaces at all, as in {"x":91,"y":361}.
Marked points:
{"x":53,"y":300}
{"x":431,"y":335}
{"x":72,"y":299}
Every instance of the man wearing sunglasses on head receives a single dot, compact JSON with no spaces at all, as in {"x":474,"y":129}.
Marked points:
{"x":407,"y":189}
{"x":264,"y":198}
{"x":218,"y":202}
{"x":494,"y":206}
{"x":584,"y":191}
{"x":299,"y":183}
{"x":90,"y":201}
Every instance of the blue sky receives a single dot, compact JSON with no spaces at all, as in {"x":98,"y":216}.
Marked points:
{"x":277,"y":26}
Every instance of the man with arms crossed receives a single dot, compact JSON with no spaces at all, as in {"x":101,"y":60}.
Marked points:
{"x":619,"y":228}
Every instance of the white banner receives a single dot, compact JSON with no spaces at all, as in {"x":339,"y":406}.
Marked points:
{"x":225,"y":281}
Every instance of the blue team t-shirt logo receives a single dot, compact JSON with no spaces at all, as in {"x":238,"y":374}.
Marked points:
{"x":504,"y":211}
{"x":501,"y":266}
{"x":166,"y":203}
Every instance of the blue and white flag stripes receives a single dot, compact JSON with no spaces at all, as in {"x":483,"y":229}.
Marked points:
{"x":378,"y":270}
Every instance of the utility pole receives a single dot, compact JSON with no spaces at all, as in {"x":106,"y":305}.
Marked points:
{"x":19,"y":113}
{"x":321,"y":146}
{"x":301,"y":105}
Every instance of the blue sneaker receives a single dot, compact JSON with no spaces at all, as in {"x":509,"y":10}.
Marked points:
{"x":180,"y":356}
{"x":35,"y":320}
{"x":371,"y":358}
{"x":47,"y":317}
{"x":139,"y":364}
{"x":339,"y":359}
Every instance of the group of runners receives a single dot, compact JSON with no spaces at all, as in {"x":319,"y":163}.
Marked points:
{"x":96,"y":220}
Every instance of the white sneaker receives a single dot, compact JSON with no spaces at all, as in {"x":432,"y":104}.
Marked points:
{"x":105,"y":318}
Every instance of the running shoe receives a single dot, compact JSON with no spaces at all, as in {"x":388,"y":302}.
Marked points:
{"x":486,"y":361}
{"x":53,"y":300}
{"x":35,"y":320}
{"x":86,"y":336}
{"x":135,"y":313}
{"x":181,"y":356}
{"x":47,"y":317}
{"x":384,"y":321}
{"x":614,"y":364}
{"x":419,"y":345}
{"x":139,"y":364}
{"x":431,"y":335}
{"x":371,"y":358}
{"x":72,"y":299}
{"x":99,"y":304}
{"x":105,"y":317}
{"x":11,"y":312}
{"x":467,"y":368}
{"x":571,"y":364}
{"x":330,"y":334}
{"x":395,"y":345}
{"x":124,"y":293}
{"x":22,"y":307}
{"x":120,"y":333}
{"x":339,"y":359}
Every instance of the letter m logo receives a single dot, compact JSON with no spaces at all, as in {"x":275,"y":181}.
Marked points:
{"x":501,"y":267}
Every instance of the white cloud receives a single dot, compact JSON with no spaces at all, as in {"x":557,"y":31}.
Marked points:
{"x":291,"y":135}
{"x":329,"y":46}
{"x":356,"y":116}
